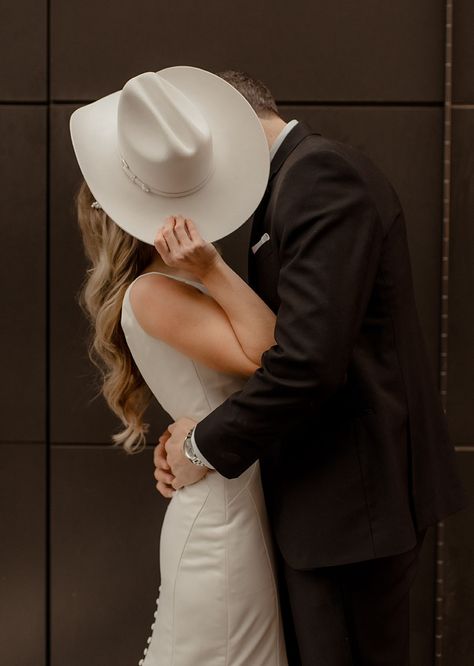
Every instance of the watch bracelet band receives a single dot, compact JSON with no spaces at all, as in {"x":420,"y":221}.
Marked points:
{"x":188,"y":450}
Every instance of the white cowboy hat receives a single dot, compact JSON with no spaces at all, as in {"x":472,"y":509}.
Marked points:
{"x":180,"y":141}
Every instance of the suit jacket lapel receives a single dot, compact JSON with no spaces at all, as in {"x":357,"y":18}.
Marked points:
{"x":292,"y":139}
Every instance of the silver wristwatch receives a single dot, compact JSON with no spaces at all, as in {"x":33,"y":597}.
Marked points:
{"x":188,"y":450}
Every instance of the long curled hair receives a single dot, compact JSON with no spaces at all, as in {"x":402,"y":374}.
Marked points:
{"x":116,"y":258}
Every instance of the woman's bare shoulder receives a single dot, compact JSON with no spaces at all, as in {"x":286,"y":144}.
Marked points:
{"x":159,"y":301}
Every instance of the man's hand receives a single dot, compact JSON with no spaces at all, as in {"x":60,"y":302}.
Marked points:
{"x":173,"y":469}
{"x":163,"y":473}
{"x":184,"y":471}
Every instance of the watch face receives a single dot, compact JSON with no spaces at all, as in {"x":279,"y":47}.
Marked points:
{"x":188,"y":447}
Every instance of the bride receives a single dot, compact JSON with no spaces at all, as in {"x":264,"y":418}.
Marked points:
{"x":187,"y":341}
{"x":163,"y":331}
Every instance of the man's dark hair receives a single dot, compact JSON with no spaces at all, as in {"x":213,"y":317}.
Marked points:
{"x":255,"y":91}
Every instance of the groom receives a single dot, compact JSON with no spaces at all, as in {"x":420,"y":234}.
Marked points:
{"x":343,"y":413}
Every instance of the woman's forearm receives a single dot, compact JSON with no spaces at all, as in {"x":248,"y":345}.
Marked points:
{"x":252,"y":320}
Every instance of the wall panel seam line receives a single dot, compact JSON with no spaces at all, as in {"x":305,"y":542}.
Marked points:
{"x":48,"y":573}
{"x":440,"y":549}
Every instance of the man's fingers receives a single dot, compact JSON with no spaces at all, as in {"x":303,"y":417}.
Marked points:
{"x":177,"y":484}
{"x":163,"y":476}
{"x":165,"y":490}
{"x":162,"y":464}
{"x":159,"y":457}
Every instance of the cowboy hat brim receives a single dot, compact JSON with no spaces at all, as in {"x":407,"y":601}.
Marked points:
{"x":227,"y":199}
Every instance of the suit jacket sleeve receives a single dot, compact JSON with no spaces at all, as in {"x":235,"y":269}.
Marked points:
{"x":330,"y":236}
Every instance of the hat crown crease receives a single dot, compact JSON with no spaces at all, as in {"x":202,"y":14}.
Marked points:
{"x":162,"y":136}
{"x":172,"y":119}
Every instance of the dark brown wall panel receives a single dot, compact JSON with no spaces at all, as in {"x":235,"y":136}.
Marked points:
{"x":463,"y":51}
{"x":406,"y":144}
{"x":23,"y":50}
{"x":105,"y":524}
{"x":75,"y":415}
{"x":458,"y":638}
{"x":461,"y":282}
{"x":22,"y":555}
{"x":22,"y":272}
{"x":307,"y":51}
{"x":421,"y":605}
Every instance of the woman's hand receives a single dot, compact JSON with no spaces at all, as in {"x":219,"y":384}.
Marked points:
{"x":180,"y":246}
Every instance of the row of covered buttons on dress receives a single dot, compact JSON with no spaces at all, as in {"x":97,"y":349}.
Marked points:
{"x":148,"y":640}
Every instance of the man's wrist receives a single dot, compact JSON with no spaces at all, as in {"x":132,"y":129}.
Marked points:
{"x":189,"y":451}
{"x":192,"y":451}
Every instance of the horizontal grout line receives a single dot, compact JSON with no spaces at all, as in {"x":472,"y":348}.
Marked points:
{"x":23,"y":103}
{"x":62,"y":445}
{"x":307,"y":103}
{"x":359,"y":103}
{"x":22,"y":442}
{"x":459,"y":447}
{"x":462,"y":106}
{"x":301,"y":103}
{"x":91,"y":445}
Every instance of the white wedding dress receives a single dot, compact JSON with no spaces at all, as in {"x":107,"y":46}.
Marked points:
{"x":218,"y":603}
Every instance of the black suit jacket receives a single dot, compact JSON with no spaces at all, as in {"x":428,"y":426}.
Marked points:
{"x":343,"y":413}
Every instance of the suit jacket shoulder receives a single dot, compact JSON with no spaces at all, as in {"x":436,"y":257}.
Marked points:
{"x":315,"y":155}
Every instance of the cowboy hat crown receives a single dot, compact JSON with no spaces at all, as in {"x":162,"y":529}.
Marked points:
{"x":164,"y":140}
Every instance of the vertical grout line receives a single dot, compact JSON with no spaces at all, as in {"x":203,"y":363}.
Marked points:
{"x":48,"y":350}
{"x":443,"y":359}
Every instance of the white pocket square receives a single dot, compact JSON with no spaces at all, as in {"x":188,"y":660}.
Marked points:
{"x":259,"y":243}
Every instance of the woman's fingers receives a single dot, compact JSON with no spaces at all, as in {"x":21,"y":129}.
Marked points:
{"x":161,"y":245}
{"x":180,"y":231}
{"x":177,"y":230}
{"x":180,"y":244}
{"x":192,"y":230}
{"x":169,"y":236}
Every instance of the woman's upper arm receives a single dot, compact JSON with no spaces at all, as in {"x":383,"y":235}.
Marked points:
{"x":190,"y":321}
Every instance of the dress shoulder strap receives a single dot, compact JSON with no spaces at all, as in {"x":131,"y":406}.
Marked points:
{"x":175,"y":277}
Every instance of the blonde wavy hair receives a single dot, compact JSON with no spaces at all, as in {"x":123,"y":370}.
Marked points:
{"x":116,"y":258}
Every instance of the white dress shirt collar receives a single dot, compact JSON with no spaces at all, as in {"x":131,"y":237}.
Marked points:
{"x":280,"y":138}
